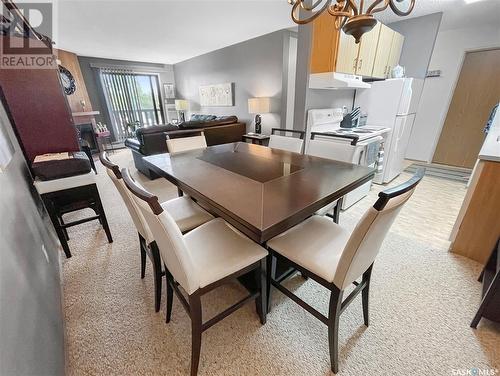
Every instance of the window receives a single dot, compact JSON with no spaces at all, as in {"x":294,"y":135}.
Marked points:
{"x":133,"y":100}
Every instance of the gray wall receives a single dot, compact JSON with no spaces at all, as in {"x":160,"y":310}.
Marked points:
{"x":254,"y":66}
{"x":31,"y":320}
{"x":93,"y":83}
{"x":420,"y":35}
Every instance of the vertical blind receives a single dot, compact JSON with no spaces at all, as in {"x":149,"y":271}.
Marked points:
{"x":133,"y":100}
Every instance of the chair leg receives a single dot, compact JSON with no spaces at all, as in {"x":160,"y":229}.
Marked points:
{"x":155,"y":252}
{"x":196,"y":321}
{"x":366,"y":293}
{"x":102,"y":215}
{"x":333,"y":327}
{"x":49,"y":205}
{"x":261,"y":301}
{"x":336,"y":211}
{"x":170,"y":294}
{"x":271,"y":275}
{"x":142,"y":244}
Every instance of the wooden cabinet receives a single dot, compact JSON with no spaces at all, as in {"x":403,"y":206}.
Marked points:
{"x":347,"y":58}
{"x":324,"y":44}
{"x":334,"y":51}
{"x":380,"y":65}
{"x":396,"y":47}
{"x":367,"y":51}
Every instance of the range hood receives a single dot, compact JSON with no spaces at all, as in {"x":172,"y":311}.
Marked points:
{"x":334,"y":80}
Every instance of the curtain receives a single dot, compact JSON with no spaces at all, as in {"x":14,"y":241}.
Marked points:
{"x":122,"y":96}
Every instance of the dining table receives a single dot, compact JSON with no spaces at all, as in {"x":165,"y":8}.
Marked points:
{"x":260,"y":191}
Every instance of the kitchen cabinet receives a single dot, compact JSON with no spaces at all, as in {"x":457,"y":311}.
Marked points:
{"x":324,"y":44}
{"x":367,"y":51}
{"x":347,"y":58}
{"x":334,"y":51}
{"x":396,"y":47}
{"x":380,"y":65}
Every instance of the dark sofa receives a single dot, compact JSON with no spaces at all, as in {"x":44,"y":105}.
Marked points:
{"x":152,"y":140}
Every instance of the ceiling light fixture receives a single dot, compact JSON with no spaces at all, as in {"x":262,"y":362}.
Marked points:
{"x":349,"y":16}
{"x":472,"y":1}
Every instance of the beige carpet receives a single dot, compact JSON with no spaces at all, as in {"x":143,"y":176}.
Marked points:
{"x":422,"y":301}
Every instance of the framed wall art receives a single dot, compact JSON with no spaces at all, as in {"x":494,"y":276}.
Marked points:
{"x":219,"y":95}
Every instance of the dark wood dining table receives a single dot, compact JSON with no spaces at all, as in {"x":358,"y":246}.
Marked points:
{"x":260,"y":191}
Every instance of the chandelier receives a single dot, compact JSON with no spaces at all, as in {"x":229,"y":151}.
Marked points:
{"x":349,"y":16}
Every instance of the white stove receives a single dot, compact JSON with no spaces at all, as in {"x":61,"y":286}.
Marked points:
{"x":359,"y":145}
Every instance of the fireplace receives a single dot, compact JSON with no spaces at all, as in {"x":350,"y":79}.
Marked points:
{"x":87,"y":133}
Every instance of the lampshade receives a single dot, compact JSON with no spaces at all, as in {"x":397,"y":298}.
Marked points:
{"x":260,"y":105}
{"x":181,"y":105}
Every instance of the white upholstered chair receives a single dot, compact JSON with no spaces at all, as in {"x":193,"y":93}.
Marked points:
{"x":177,"y":145}
{"x":190,"y":142}
{"x":292,"y":144}
{"x":200,"y":261}
{"x":185,"y":213}
{"x":336,"y":257}
{"x":323,"y":148}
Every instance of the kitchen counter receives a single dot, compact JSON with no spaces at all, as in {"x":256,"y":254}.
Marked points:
{"x":491,"y":147}
{"x":477,"y":227}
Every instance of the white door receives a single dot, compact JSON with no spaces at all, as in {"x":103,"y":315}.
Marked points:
{"x":394,"y":162}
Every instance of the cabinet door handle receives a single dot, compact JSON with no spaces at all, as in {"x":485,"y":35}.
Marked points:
{"x":360,"y":63}
{"x":355,"y":63}
{"x":385,"y":71}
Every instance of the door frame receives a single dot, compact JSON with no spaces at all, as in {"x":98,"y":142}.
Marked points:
{"x":452,"y":93}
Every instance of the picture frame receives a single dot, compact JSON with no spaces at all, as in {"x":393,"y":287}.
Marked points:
{"x":219,"y":95}
{"x":169,"y":91}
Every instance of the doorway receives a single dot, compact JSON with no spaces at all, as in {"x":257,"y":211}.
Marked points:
{"x":476,"y":93}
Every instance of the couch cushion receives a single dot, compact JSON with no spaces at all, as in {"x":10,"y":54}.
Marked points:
{"x":197,"y":124}
{"x":201,"y":117}
{"x":155,"y":129}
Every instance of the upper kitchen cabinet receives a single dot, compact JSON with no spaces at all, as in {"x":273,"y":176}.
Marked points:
{"x":334,"y":51}
{"x":389,"y":48}
{"x":396,"y":47}
{"x":367,"y":51}
{"x":324,"y":44}
{"x":347,"y":57}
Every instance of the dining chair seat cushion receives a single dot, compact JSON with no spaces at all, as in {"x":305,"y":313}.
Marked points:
{"x":218,"y":250}
{"x":186,"y":213}
{"x":47,"y":186}
{"x":315,"y":244}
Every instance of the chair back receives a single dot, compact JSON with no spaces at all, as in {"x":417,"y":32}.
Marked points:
{"x":177,"y":145}
{"x":287,"y":143}
{"x":169,"y":239}
{"x":365,"y":241}
{"x":116,"y":177}
{"x":320,"y":146}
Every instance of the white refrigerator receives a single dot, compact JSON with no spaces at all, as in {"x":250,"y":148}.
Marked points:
{"x":391,"y":103}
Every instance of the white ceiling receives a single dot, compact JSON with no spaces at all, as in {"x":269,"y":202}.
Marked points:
{"x":165,"y":31}
{"x":169,"y":31}
{"x":456,"y":13}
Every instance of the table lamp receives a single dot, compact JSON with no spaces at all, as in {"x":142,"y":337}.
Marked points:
{"x":181,"y":105}
{"x":259,"y":106}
